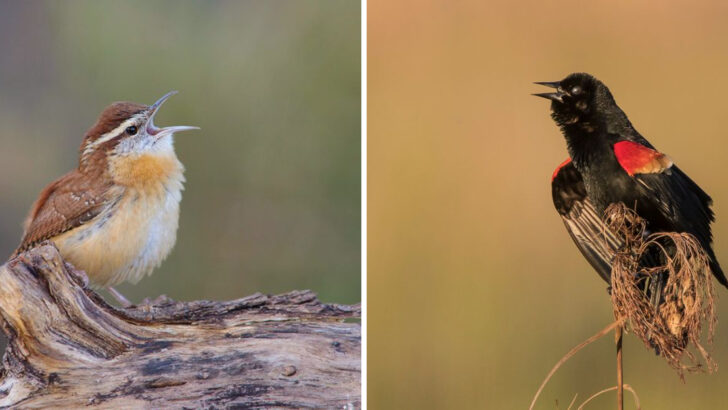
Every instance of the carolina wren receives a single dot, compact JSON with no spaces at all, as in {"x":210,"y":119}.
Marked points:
{"x":116,"y":215}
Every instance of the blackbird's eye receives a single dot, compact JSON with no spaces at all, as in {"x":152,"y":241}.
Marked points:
{"x":131,"y":130}
{"x":576,"y":90}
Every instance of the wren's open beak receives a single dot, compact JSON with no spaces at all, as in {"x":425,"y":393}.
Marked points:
{"x":160,"y":132}
{"x":557,"y":96}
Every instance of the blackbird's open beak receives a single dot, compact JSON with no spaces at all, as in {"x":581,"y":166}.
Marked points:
{"x":556,"y":96}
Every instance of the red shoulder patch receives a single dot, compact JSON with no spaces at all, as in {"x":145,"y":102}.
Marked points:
{"x":556,"y":171}
{"x":635,"y":158}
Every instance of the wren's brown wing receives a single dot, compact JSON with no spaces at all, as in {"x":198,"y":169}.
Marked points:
{"x":591,"y":235}
{"x":68,"y":202}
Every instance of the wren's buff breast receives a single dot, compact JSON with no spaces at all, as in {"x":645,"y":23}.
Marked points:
{"x":136,"y":231}
{"x":116,"y":215}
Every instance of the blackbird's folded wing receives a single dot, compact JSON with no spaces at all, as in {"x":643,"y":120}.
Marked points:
{"x":586,"y":227}
{"x":686,"y":206}
{"x":681,"y":202}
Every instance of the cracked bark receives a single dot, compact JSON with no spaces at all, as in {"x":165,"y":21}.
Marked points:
{"x":68,"y":348}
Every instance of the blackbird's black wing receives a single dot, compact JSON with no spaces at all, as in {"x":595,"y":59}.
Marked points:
{"x":586,"y":227}
{"x":687,"y":208}
{"x":670,"y":200}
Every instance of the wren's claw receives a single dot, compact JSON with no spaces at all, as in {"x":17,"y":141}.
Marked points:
{"x":147,"y":305}
{"x":159,"y":300}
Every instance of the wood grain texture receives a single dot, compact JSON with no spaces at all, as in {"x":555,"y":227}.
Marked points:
{"x":68,"y":348}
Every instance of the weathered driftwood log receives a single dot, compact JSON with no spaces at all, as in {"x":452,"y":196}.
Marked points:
{"x":68,"y":348}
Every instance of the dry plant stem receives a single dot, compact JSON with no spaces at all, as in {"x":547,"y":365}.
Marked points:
{"x":599,"y":393}
{"x":620,"y":375}
{"x":67,"y":348}
{"x":572,"y":401}
{"x":568,"y":356}
{"x":673,"y":319}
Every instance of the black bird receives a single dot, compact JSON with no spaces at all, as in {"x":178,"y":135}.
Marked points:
{"x":611,"y":162}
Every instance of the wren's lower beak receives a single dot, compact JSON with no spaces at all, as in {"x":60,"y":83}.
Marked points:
{"x":161,"y":132}
{"x":557,"y":96}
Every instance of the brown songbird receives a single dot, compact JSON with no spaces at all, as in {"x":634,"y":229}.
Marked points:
{"x":116,"y":215}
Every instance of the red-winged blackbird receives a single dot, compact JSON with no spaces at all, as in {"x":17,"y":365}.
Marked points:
{"x":611,"y":162}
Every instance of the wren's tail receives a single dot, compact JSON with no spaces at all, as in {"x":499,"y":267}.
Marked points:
{"x":20,"y":249}
{"x":15,"y":253}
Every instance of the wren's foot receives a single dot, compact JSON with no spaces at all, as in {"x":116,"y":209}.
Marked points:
{"x":147,"y":305}
{"x":124,"y":302}
{"x":159,"y":300}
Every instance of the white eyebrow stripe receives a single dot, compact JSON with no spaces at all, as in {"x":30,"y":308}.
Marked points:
{"x":111,"y":134}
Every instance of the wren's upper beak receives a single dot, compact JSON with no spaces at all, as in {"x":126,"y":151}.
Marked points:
{"x":557,"y":96}
{"x":160,"y":132}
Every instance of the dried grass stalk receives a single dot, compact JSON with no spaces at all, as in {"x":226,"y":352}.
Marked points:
{"x":662,"y":285}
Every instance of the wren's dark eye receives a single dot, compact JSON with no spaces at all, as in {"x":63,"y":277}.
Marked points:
{"x":576,"y":90}
{"x":131,"y":130}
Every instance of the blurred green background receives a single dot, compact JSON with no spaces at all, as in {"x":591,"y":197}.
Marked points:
{"x":272,"y":200}
{"x":475,"y":288}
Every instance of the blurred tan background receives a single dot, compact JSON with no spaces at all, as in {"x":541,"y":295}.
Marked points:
{"x":272,"y":200}
{"x":475,"y":288}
